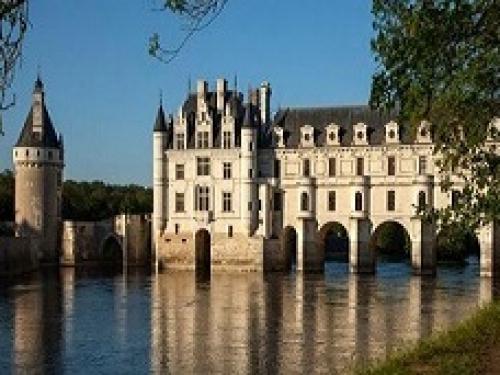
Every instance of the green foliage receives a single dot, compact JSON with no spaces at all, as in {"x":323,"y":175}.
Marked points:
{"x":455,"y":247}
{"x":462,"y":350}
{"x":391,"y":239}
{"x":97,"y":200}
{"x":439,"y":60}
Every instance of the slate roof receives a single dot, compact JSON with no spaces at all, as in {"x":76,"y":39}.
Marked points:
{"x":292,"y":119}
{"x":28,"y":138}
{"x":160,"y":124}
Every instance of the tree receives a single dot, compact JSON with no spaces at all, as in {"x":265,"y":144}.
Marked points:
{"x":439,"y":60}
{"x":7,"y":196}
{"x":196,"y":15}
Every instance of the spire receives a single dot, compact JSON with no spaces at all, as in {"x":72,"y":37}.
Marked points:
{"x":160,"y":124}
{"x":38,"y":82}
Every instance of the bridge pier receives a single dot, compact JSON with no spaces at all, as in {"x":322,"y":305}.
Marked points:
{"x":361,"y":259}
{"x":309,"y":257}
{"x":423,"y":253}
{"x":489,"y":242}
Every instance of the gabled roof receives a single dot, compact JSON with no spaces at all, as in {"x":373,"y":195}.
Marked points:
{"x":28,"y":138}
{"x":292,"y":119}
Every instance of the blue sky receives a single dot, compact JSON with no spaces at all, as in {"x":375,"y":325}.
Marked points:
{"x":102,"y":88}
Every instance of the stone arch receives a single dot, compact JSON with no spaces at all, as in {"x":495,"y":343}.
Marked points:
{"x":202,"y":244}
{"x":289,"y":246}
{"x":456,"y":250}
{"x":391,"y":239}
{"x":111,"y":249}
{"x":333,"y":241}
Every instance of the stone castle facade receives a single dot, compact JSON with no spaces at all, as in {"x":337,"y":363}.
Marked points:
{"x":235,"y":188}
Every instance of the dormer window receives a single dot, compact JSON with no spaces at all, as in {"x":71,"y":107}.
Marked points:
{"x":333,"y":135}
{"x":424,"y":132}
{"x":278,"y":137}
{"x":392,"y":132}
{"x":307,"y":136}
{"x":360,"y":130}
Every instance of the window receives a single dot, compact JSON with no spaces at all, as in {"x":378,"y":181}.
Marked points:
{"x":202,"y":139}
{"x":250,"y":146}
{"x":50,"y":155}
{"x":332,"y":170}
{"x":360,"y":167}
{"x":250,"y":173}
{"x":250,"y":206}
{"x":202,"y":198}
{"x":177,"y":228}
{"x":422,"y":201}
{"x":226,"y":202}
{"x":203,"y":166}
{"x":391,"y":166}
{"x":277,"y":200}
{"x":277,"y":168}
{"x":179,"y":202}
{"x":306,"y":168}
{"x":226,"y":139}
{"x":422,"y":165}
{"x":179,"y":171}
{"x":307,"y":137}
{"x":332,"y":136}
{"x":455,"y":198}
{"x":27,"y":152}
{"x":304,"y":201}
{"x":332,"y":201}
{"x":358,"y":201}
{"x":230,"y":231}
{"x":226,"y":170}
{"x":203,"y":116}
{"x":391,"y":200}
{"x":180,"y":141}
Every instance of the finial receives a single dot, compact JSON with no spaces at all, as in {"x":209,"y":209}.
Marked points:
{"x":161,"y":98}
{"x":235,"y":83}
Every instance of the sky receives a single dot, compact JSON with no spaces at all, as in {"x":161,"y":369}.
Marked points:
{"x":102,"y":88}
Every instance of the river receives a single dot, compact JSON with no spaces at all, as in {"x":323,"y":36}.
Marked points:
{"x":91,"y":321}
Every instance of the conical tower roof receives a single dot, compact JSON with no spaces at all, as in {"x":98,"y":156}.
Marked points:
{"x":160,"y":123}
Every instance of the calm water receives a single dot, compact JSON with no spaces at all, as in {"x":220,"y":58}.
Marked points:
{"x":87,"y":321}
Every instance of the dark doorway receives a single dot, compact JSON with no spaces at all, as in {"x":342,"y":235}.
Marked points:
{"x":334,"y":240}
{"x":112,"y":251}
{"x":289,"y":246}
{"x":202,"y":252}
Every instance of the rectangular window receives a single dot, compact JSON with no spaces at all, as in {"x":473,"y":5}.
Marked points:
{"x":180,"y":141}
{"x":306,"y":168}
{"x":250,"y":173}
{"x":226,"y":139}
{"x":250,"y":206}
{"x":277,"y":200}
{"x":202,"y":198}
{"x":203,"y":166}
{"x":226,"y":170}
{"x":250,"y":146}
{"x":277,"y":168}
{"x":202,"y":139}
{"x":179,"y":202}
{"x":391,"y":166}
{"x":177,"y":228}
{"x":332,"y":170}
{"x":332,"y":201}
{"x":391,"y":200}
{"x":422,"y":165}
{"x":360,"y":167}
{"x":179,"y":171}
{"x":226,"y":202}
{"x":230,"y":231}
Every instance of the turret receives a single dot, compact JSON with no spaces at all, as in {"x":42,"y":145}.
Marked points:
{"x":38,"y":162}
{"x":160,"y":186}
{"x":265,"y":103}
{"x":248,"y":170}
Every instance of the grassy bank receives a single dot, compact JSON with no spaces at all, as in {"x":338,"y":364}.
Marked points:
{"x":471,"y":347}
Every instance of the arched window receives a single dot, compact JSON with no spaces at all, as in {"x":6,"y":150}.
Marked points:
{"x":421,"y":200}
{"x":304,"y":202}
{"x":358,"y":201}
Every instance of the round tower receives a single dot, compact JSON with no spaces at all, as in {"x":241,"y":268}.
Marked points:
{"x":248,"y":170}
{"x":38,"y":166}
{"x":160,"y":186}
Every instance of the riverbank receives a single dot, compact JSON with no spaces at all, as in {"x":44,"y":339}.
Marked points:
{"x":471,"y":347}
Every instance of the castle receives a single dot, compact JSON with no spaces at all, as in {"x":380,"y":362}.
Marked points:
{"x":41,"y":234}
{"x":237,"y":189}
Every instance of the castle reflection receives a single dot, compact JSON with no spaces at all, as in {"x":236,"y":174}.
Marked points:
{"x":72,"y":320}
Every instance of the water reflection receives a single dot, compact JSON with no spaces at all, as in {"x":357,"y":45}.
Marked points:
{"x":86,"y":321}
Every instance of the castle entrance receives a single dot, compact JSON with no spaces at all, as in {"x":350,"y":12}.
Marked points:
{"x":202,"y":252}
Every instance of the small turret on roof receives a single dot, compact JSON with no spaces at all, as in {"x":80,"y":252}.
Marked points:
{"x":160,"y":123}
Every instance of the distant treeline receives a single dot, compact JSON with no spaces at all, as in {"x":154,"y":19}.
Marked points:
{"x":87,"y":201}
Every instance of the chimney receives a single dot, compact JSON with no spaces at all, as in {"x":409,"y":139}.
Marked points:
{"x":221,"y":93}
{"x":265,"y":103}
